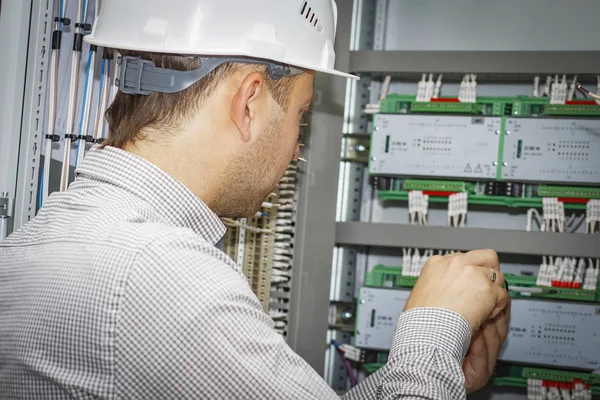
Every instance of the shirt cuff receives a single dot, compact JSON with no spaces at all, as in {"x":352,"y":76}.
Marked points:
{"x":444,"y":329}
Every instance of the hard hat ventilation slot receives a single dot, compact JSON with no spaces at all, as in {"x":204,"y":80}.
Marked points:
{"x":308,"y":14}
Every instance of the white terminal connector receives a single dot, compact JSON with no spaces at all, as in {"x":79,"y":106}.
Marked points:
{"x":438,"y":87}
{"x":406,"y":261}
{"x":547,"y":86}
{"x":536,"y":86}
{"x":572,"y":89}
{"x":421,"y":89}
{"x":592,"y":217}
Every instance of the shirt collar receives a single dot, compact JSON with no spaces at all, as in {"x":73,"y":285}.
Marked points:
{"x":169,"y":197}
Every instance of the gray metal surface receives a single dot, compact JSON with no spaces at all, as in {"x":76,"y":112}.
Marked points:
{"x":315,"y":229}
{"x":435,"y":146}
{"x":376,"y":316}
{"x":561,"y":334}
{"x":492,"y":25}
{"x":554,"y":334}
{"x":446,"y":238}
{"x":33,"y":112}
{"x":14,"y":35}
{"x":552,"y":150}
{"x":518,"y":63}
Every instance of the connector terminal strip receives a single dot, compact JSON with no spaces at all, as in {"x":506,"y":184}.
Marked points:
{"x":522,"y":106}
{"x":392,"y":277}
{"x":504,"y":194}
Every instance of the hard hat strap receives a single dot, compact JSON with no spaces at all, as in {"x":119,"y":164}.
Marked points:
{"x":142,"y":77}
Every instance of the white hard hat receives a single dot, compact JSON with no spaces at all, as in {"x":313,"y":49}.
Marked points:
{"x":296,"y":33}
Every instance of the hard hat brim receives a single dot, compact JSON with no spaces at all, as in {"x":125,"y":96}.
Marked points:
{"x":330,"y":71}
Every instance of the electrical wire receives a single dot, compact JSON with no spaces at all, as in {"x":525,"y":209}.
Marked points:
{"x":53,"y":84}
{"x":75,"y":63}
{"x":349,"y":369}
{"x":587,"y":92}
{"x":86,"y":106}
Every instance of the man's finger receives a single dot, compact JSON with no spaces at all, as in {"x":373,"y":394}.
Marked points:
{"x":482,"y":258}
{"x":492,"y":343}
{"x":502,"y":300}
{"x":495,"y":276}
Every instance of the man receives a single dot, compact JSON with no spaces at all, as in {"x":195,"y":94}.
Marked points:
{"x":116,"y":290}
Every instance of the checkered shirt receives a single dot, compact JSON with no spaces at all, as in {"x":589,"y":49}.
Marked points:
{"x":117,"y":291}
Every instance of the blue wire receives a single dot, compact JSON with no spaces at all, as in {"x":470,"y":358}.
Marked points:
{"x":41,"y":190}
{"x":62,"y":13}
{"x":85,"y":90}
{"x":84,"y":12}
{"x":108,"y":64}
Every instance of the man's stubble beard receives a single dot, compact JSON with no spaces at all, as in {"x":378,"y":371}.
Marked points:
{"x":252,"y":177}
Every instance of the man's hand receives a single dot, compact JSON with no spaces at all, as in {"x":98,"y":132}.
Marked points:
{"x":479,"y":364}
{"x":462,"y":283}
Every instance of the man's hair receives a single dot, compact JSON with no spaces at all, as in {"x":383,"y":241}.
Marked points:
{"x":129,"y":115}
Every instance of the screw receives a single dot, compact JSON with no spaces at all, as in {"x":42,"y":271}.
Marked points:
{"x":507,"y":133}
{"x":505,"y":164}
{"x":495,"y":163}
{"x":498,"y":132}
{"x":376,"y":128}
{"x":360,"y":148}
{"x":373,"y":158}
{"x":347,"y":315}
{"x":362,"y":302}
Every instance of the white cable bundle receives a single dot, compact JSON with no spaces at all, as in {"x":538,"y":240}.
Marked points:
{"x":53,"y":100}
{"x":554,"y":214}
{"x":572,"y":270}
{"x":457,"y":209}
{"x":555,"y":270}
{"x":531,"y":213}
{"x":422,"y":89}
{"x":418,"y":206}
{"x":592,"y":272}
{"x":534,"y":389}
{"x":572,"y":89}
{"x":579,"y":272}
{"x":467,"y":92}
{"x":351,"y":353}
{"x":563,"y":89}
{"x":438,"y":87}
{"x":592,"y":217}
{"x":385,"y":88}
{"x":555,"y":91}
{"x":559,"y":91}
{"x":75,"y":62}
{"x":462,"y":90}
{"x":547,"y":86}
{"x":542,"y":272}
{"x":553,"y":393}
{"x":429,"y":88}
{"x":536,"y":86}
{"x":565,"y":394}
{"x":415,"y":263}
{"x":87,"y":105}
{"x":98,"y":131}
{"x":472,"y":89}
{"x":406,"y":261}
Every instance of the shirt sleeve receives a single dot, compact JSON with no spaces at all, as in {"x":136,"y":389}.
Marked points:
{"x":425,"y":361}
{"x":190,"y":327}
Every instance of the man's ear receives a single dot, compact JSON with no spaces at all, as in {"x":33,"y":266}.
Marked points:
{"x":245,"y":104}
